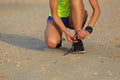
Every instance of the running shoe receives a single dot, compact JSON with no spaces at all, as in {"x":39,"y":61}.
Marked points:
{"x":78,"y":47}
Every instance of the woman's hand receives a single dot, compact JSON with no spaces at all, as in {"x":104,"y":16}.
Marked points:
{"x":82,"y":34}
{"x":70,"y":37}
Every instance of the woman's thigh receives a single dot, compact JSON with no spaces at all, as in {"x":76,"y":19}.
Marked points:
{"x":77,"y":5}
{"x":52,"y":34}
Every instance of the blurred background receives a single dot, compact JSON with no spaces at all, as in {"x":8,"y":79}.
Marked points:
{"x":24,"y":55}
{"x":22,"y":1}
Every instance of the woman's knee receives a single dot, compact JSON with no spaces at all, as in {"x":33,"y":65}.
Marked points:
{"x":51,"y":43}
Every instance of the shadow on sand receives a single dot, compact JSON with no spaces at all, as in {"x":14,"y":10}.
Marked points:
{"x":23,"y":41}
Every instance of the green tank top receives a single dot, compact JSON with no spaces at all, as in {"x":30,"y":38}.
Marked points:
{"x":63,"y":8}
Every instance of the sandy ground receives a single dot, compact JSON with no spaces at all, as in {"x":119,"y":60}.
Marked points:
{"x":24,"y":55}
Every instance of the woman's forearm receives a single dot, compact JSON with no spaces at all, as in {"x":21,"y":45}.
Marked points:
{"x":59,"y":23}
{"x":94,"y":18}
{"x":95,"y":14}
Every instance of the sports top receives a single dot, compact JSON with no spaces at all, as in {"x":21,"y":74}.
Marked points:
{"x":63,"y":8}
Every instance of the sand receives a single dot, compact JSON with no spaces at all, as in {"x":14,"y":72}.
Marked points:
{"x":25,"y":56}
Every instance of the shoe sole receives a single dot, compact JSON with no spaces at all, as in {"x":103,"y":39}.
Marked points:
{"x":78,"y":52}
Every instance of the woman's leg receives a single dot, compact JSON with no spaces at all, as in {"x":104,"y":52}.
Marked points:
{"x":77,"y":19}
{"x":83,"y":24}
{"x":78,"y":14}
{"x":52,"y":35}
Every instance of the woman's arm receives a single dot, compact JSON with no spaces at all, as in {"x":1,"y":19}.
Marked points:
{"x":95,"y":14}
{"x":56,"y":18}
{"x":58,"y":21}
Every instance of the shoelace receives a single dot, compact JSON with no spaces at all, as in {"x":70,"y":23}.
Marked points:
{"x":72,"y":48}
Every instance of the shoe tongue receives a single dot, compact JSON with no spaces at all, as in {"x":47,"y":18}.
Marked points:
{"x":79,"y":43}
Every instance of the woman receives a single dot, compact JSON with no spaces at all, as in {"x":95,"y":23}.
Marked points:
{"x":69,"y":14}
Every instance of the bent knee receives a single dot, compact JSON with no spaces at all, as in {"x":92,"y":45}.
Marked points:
{"x":51,"y":44}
